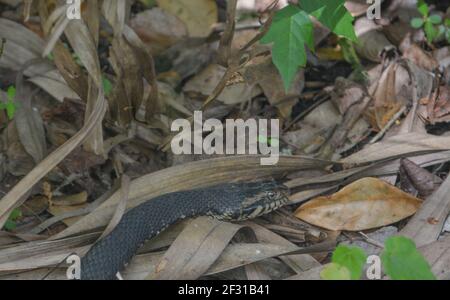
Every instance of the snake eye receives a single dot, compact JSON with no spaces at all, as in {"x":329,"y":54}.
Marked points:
{"x":271,"y":194}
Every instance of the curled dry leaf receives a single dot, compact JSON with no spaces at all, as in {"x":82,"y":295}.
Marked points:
{"x":365,"y":204}
{"x":421,"y":179}
{"x":439,"y":106}
{"x":67,"y":204}
{"x":253,"y":6}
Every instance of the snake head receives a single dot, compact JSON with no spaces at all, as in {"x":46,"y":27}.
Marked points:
{"x":254,"y":200}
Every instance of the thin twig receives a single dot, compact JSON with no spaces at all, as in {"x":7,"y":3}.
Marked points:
{"x":388,"y":125}
{"x":371,"y":241}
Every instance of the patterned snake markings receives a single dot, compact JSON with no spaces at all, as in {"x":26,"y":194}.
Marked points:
{"x":228,"y":202}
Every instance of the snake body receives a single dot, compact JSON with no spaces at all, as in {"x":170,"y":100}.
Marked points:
{"x":229,"y":202}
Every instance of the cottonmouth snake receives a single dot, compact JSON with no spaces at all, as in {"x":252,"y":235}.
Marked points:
{"x":228,"y":202}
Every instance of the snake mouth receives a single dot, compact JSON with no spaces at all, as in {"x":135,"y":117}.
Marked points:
{"x":261,"y":210}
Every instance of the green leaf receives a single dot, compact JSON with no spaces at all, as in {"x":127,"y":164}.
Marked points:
{"x":402,"y":261}
{"x":447,"y":22}
{"x":335,"y":272}
{"x":417,"y":23}
{"x":107,"y":86}
{"x":11,"y":93}
{"x":15,"y":214}
{"x":333,"y":14}
{"x":430,"y":31}
{"x":10,"y":106}
{"x":435,"y":19}
{"x":353,"y":258}
{"x":10,"y":224}
{"x":290,"y":31}
{"x":422,"y":7}
{"x":11,"y":110}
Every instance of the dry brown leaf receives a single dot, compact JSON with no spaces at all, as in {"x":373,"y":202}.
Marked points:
{"x":29,"y":124}
{"x":264,"y":74}
{"x":365,"y":204}
{"x":204,"y":84}
{"x":23,"y":45}
{"x":418,"y":179}
{"x":195,"y":249}
{"x":418,"y":56}
{"x":62,"y":210}
{"x":158,"y":29}
{"x":198,"y":15}
{"x":386,"y":103}
{"x":67,"y":204}
{"x":70,"y":200}
{"x":439,"y":106}
{"x":372,"y":42}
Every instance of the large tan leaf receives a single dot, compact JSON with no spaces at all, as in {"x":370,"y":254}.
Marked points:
{"x":365,"y":204}
{"x":198,"y":15}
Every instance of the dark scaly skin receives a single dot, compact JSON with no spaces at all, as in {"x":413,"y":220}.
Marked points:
{"x":109,"y":256}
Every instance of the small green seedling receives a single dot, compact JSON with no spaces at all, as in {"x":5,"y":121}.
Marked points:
{"x":10,"y":106}
{"x":10,"y":224}
{"x":434,"y":26}
{"x":400,"y":259}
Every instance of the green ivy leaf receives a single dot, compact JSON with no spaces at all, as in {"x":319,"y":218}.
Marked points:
{"x":290,"y":31}
{"x":402,"y":261}
{"x":422,"y":6}
{"x":333,"y":14}
{"x":353,"y":258}
{"x":335,"y":272}
{"x":435,"y":19}
{"x":417,"y":23}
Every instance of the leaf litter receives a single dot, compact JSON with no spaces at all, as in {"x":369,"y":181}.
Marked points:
{"x":359,"y":143}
